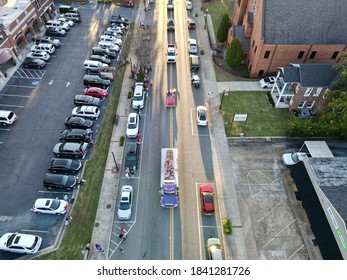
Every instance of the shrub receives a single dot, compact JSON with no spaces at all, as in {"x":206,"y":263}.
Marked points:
{"x":121,"y":141}
{"x":227,"y":226}
{"x":202,"y":51}
{"x":234,"y":53}
{"x":130,"y":94}
{"x":223,"y":28}
{"x":271,"y":101}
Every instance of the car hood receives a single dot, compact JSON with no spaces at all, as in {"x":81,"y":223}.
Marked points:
{"x":169,"y":200}
{"x":124,"y":214}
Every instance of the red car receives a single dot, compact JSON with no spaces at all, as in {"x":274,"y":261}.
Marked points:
{"x":96,"y":92}
{"x":206,"y":197}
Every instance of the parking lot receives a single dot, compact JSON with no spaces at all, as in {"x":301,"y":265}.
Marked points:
{"x":42,"y":100}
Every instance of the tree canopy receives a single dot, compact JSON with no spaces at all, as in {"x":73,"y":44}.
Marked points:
{"x":234,"y":53}
{"x":222,"y":32}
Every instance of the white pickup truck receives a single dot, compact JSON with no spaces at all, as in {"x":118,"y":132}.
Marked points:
{"x":171,"y":53}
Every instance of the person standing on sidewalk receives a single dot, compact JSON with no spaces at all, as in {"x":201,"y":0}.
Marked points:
{"x":99,"y":248}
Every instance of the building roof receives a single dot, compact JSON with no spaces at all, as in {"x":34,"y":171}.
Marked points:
{"x":12,"y":10}
{"x":310,"y":75}
{"x":239,"y":32}
{"x":308,"y":22}
{"x":331,"y":175}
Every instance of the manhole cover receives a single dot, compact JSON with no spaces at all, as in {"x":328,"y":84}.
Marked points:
{"x":108,"y":206}
{"x":97,"y":224}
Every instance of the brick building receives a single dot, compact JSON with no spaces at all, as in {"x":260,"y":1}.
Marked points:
{"x":275,"y":33}
{"x":302,"y":87}
{"x":20,"y":21}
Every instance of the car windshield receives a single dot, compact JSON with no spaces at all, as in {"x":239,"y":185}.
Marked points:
{"x":208,"y":197}
{"x":295,"y":158}
{"x":124,"y":206}
{"x":138,"y":97}
{"x":202,"y":116}
{"x":55,"y":204}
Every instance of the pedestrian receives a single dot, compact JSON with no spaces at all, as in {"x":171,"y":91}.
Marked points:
{"x":121,"y":249}
{"x":127,"y":172}
{"x":139,"y":113}
{"x":66,"y":198}
{"x":132,"y":173}
{"x":68,"y":220}
{"x":138,"y":137}
{"x":121,"y":236}
{"x":149,"y":68}
{"x":138,"y":108}
{"x":99,"y":248}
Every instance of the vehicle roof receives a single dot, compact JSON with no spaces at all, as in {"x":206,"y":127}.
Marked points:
{"x":41,"y":202}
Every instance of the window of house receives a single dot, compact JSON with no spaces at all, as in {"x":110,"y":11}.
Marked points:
{"x":255,"y":50}
{"x":310,"y":104}
{"x":308,"y":91}
{"x":250,"y":68}
{"x":302,"y":104}
{"x":267,"y":54}
{"x":317,"y":91}
{"x":261,"y":73}
{"x":38,"y":5}
{"x":254,"y":7}
{"x":253,"y":43}
{"x":301,"y":54}
{"x":335,"y":54}
{"x":313,"y":54}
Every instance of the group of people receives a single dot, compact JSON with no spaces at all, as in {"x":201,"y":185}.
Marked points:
{"x":130,"y":172}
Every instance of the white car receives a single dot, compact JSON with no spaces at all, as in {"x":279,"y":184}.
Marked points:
{"x":90,"y":112}
{"x":39,"y":54}
{"x":50,"y":206}
{"x":20,"y":243}
{"x":138,"y":98}
{"x":116,"y":29}
{"x":171,"y":53}
{"x":267,"y":82}
{"x":201,"y":115}
{"x":192,"y":46}
{"x":111,"y":39}
{"x":292,"y":158}
{"x":125,"y":203}
{"x":133,"y":125}
{"x":67,"y":21}
{"x":108,"y":45}
{"x":170,"y":5}
{"x":189,"y":5}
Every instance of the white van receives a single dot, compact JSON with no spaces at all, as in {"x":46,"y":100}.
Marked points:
{"x":73,"y":17}
{"x":43,"y":47}
{"x":138,"y":98}
{"x":109,"y":45}
{"x":7,"y":117}
{"x":57,"y":24}
{"x":93,"y":66}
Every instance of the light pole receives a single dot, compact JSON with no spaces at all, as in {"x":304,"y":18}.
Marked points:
{"x":221,"y":103}
{"x":206,"y":18}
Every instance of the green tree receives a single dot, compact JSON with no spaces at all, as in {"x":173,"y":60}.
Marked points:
{"x":222,"y":32}
{"x":234,"y":53}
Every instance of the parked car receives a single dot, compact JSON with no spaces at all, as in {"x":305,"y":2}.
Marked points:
{"x":112,"y":39}
{"x":71,"y":150}
{"x":115,"y":29}
{"x":78,"y":122}
{"x":189,"y":5}
{"x":132,"y":156}
{"x":76,"y":135}
{"x":50,"y":206}
{"x":95,"y":81}
{"x":138,"y":97}
{"x":51,"y":31}
{"x":7,"y":117}
{"x":20,"y":243}
{"x":60,"y":181}
{"x":33,"y":63}
{"x":119,"y":19}
{"x":65,"y":165}
{"x":293,"y":158}
{"x":101,"y":58}
{"x":82,"y":99}
{"x":201,"y":115}
{"x":267,"y":82}
{"x":170,"y":5}
{"x":47,"y":40}
{"x":125,"y":203}
{"x":108,"y":45}
{"x":133,"y":125}
{"x":214,"y":249}
{"x":43,"y":47}
{"x":103,"y":51}
{"x":170,"y":24}
{"x":113,"y":33}
{"x":191,"y":23}
{"x":57,"y":24}
{"x":206,"y":199}
{"x":192,"y":46}
{"x":96,"y":92}
{"x":39,"y":54}
{"x":65,"y":20}
{"x":90,"y":112}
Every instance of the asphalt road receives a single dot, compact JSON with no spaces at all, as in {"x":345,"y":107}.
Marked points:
{"x":42,"y":100}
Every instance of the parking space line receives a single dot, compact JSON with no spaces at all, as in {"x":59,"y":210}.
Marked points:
{"x":33,"y":230}
{"x":279,"y":233}
{"x":6,"y":218}
{"x":55,"y":192}
{"x":290,"y":257}
{"x":15,"y":95}
{"x":19,"y":86}
{"x":5,"y":129}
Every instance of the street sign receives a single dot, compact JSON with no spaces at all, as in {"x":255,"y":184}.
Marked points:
{"x":240,"y":117}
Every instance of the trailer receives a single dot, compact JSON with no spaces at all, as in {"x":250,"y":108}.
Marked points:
{"x":171,"y":98}
{"x":169,"y":178}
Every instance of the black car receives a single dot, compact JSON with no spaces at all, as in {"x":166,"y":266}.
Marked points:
{"x":132,"y":156}
{"x":119,"y":19}
{"x":76,"y":135}
{"x":33,"y":63}
{"x":65,"y":165}
{"x":71,"y":150}
{"x":87,"y":100}
{"x":95,"y":81}
{"x":60,"y":181}
{"x":101,"y":58}
{"x":101,"y":51}
{"x":55,"y":32}
{"x":78,"y":122}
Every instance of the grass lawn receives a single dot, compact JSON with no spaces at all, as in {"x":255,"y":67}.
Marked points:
{"x":262,"y":119}
{"x":80,"y":231}
{"x":216,"y":10}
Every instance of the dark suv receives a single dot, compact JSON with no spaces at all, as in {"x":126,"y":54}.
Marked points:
{"x":60,"y":181}
{"x":76,"y":135}
{"x":101,"y":51}
{"x":132,"y":156}
{"x":95,"y":81}
{"x":71,"y":149}
{"x":65,"y":165}
{"x":82,"y":99}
